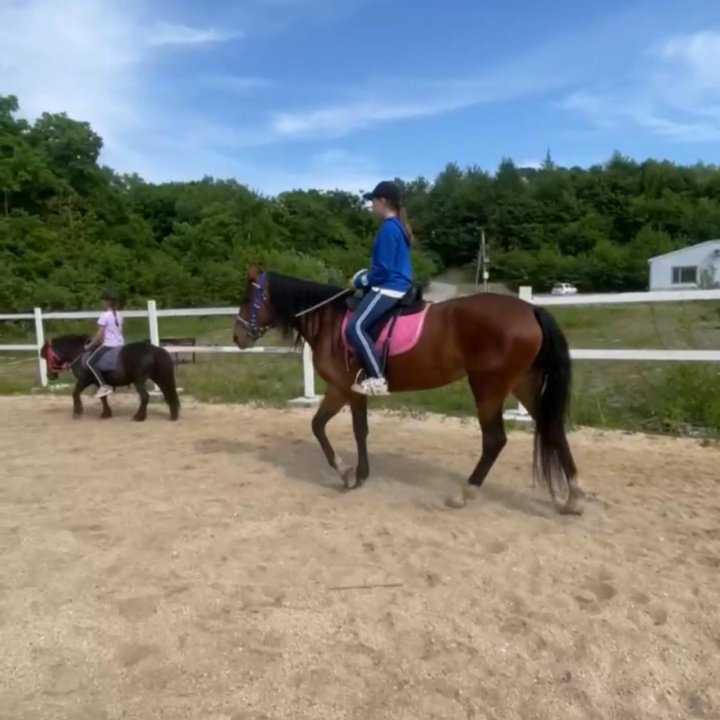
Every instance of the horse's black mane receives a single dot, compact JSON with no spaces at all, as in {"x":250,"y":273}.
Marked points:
{"x":289,"y":296}
{"x":72,"y":338}
{"x":70,"y":341}
{"x":67,"y":347}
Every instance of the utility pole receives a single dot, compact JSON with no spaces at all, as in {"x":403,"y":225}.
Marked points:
{"x":483,"y":262}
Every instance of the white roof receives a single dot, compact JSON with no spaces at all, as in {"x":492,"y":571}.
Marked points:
{"x":685,"y":249}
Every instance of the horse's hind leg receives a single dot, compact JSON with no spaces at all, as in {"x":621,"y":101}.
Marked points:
{"x":489,"y":403}
{"x":166,"y":382}
{"x":527,"y":393}
{"x":331,"y":405}
{"x":141,"y":413}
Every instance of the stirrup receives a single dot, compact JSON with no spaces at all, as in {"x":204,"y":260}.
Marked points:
{"x":373,"y":387}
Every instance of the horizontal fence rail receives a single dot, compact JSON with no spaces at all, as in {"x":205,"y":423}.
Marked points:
{"x":152,"y":313}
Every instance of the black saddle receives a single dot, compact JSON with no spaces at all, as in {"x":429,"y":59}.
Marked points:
{"x":410,"y":304}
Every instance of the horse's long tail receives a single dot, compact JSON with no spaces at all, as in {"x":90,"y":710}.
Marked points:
{"x":164,"y":375}
{"x":552,"y":458}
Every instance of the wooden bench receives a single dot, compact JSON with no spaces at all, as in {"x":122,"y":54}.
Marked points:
{"x":181,"y":342}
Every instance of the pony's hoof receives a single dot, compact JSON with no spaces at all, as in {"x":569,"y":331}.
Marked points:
{"x":77,"y":415}
{"x":106,"y":416}
{"x":139,"y":418}
{"x":460,"y":499}
{"x":349,"y":480}
{"x":573,"y":506}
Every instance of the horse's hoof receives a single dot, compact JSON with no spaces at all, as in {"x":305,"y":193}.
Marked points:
{"x":106,"y":416}
{"x":77,"y":415}
{"x":573,"y":506}
{"x":460,"y":499}
{"x":138,"y":418}
{"x":349,"y":479}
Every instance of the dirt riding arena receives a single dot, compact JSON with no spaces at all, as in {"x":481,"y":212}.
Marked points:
{"x":212,"y":570}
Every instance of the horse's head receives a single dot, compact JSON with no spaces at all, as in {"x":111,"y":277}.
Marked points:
{"x":254,"y":317}
{"x":62,"y":352}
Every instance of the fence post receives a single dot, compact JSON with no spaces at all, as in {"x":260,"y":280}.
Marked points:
{"x":520,"y":414}
{"x":308,"y":373}
{"x":153,"y":323}
{"x":154,"y":333}
{"x":40,"y":340}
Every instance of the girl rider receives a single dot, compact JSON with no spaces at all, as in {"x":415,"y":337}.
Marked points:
{"x":109,"y":334}
{"x":388,"y":280}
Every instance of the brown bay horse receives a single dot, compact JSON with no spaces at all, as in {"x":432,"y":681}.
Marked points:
{"x":502,"y":344}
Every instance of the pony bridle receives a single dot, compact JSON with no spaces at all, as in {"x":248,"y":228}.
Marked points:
{"x":252,"y":327}
{"x":54,"y":362}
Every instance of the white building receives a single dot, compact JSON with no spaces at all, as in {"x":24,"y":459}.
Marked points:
{"x":694,"y":266}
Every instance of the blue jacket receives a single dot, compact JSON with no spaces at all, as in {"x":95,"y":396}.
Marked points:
{"x":391,"y":263}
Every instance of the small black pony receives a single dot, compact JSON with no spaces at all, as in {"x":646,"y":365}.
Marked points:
{"x":137,"y":362}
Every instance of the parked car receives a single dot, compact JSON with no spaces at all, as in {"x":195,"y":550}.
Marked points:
{"x":563,"y":289}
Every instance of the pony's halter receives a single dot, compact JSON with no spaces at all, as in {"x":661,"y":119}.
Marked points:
{"x":252,"y":327}
{"x":53,"y":361}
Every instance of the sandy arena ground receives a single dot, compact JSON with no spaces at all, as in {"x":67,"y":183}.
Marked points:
{"x":212,"y":570}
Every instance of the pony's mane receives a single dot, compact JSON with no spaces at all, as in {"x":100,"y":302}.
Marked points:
{"x":69,"y":342}
{"x":71,"y":338}
{"x":289,"y":296}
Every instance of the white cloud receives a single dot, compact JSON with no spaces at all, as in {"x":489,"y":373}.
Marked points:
{"x":699,"y":53}
{"x":411,"y":99}
{"x":94,"y":60}
{"x":330,"y":169}
{"x":177,"y":34}
{"x":74,"y":56}
{"x":674,"y":94}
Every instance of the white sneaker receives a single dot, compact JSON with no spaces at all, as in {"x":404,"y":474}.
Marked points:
{"x":103,"y":391}
{"x":372,"y":386}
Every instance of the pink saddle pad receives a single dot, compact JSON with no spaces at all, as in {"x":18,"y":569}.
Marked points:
{"x":406,"y":333}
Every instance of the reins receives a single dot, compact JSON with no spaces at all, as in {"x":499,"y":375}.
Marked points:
{"x":324,"y":302}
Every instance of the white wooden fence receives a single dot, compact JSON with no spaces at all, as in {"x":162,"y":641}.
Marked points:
{"x":153,"y":314}
{"x":662,"y":355}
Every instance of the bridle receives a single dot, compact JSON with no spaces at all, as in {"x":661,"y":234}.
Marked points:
{"x":252,"y":327}
{"x":53,"y":361}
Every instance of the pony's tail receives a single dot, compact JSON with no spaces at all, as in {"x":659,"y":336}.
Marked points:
{"x":552,"y":459}
{"x":164,"y":376}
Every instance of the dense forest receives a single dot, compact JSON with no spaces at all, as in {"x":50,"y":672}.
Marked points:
{"x":69,"y":225}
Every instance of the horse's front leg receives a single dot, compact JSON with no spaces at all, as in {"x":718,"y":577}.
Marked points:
{"x":331,"y":405}
{"x":80,"y":385}
{"x":358,"y":405}
{"x":106,"y":411}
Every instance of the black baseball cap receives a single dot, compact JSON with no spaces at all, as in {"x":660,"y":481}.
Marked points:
{"x":387,"y":190}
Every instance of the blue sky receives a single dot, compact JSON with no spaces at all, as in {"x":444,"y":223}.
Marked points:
{"x":340,"y":93}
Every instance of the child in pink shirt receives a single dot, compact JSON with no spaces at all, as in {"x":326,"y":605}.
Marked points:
{"x":109,"y":334}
